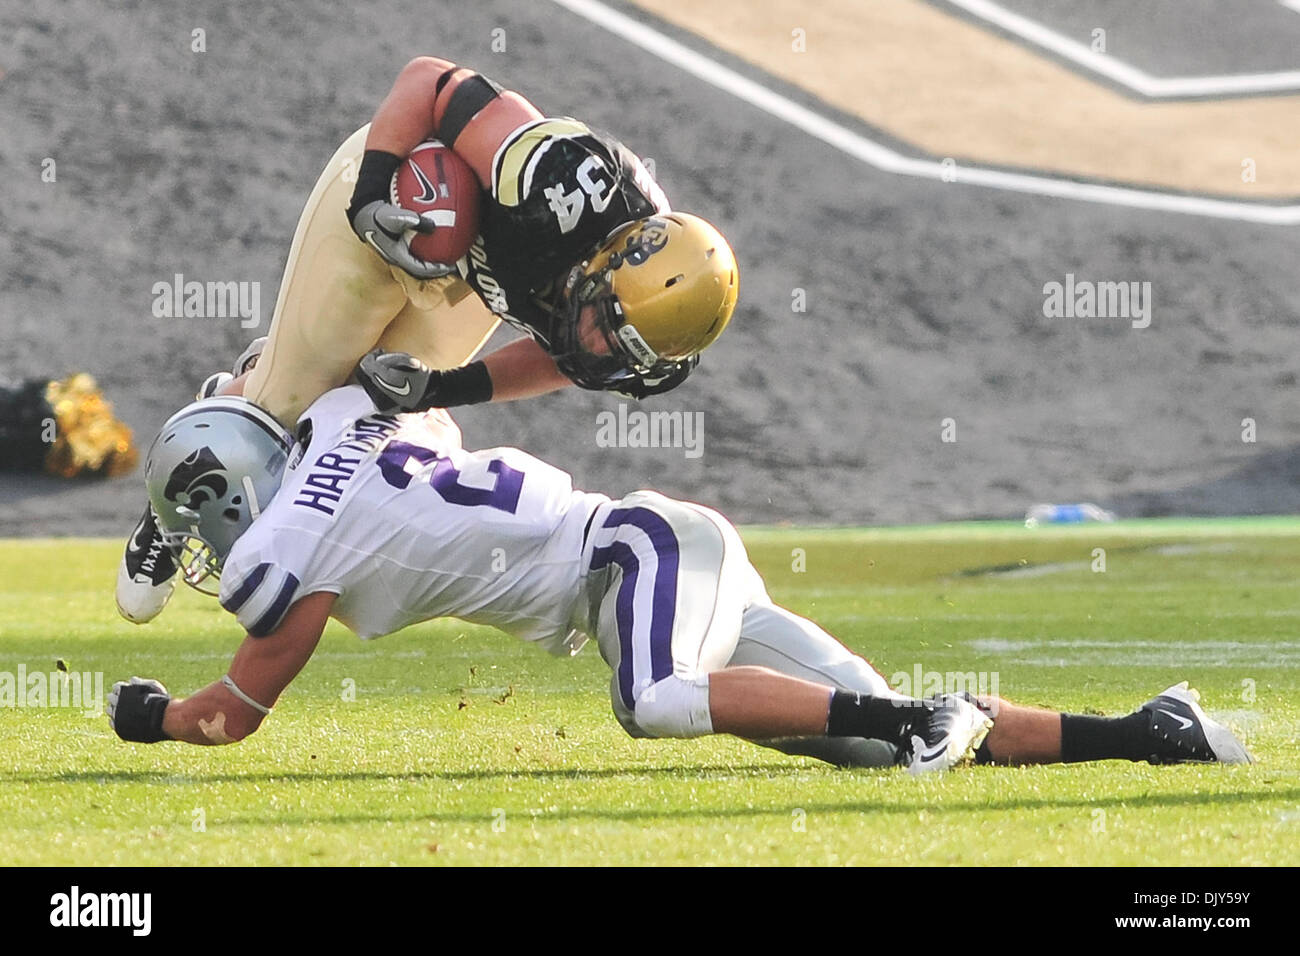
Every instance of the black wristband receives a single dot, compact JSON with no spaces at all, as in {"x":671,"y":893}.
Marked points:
{"x":468,"y":385}
{"x":374,"y":179}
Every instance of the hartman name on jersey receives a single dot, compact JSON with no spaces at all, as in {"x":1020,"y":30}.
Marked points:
{"x":402,"y":523}
{"x":328,"y":478}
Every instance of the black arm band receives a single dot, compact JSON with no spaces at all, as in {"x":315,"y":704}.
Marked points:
{"x":374,"y":179}
{"x":470,"y":96}
{"x":468,"y":385}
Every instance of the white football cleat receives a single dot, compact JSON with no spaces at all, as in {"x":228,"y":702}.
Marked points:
{"x":1180,"y":731}
{"x":945,"y":736}
{"x":212,"y":384}
{"x":147,"y":575}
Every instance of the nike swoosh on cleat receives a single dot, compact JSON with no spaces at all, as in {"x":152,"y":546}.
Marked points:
{"x":1184,"y":722}
{"x":932,"y":755}
{"x":136,"y":543}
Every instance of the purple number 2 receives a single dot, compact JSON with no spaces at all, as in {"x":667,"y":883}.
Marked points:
{"x":503,"y":495}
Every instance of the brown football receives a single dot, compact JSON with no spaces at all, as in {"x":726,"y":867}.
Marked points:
{"x":436,"y":183}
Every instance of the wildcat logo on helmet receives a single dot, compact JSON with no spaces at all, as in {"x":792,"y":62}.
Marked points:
{"x":196,"y":479}
{"x":641,"y":245}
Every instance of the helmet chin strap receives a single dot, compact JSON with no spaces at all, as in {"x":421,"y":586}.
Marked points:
{"x":253,"y":508}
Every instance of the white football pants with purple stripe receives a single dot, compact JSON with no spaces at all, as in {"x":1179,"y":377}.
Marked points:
{"x":674,"y":597}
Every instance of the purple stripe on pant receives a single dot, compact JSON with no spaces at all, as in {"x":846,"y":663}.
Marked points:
{"x":663,"y":607}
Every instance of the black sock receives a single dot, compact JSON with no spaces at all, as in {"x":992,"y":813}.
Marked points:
{"x":1105,"y":738}
{"x":880,"y":718}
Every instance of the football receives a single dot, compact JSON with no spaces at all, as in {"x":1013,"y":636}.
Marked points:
{"x":436,"y":183}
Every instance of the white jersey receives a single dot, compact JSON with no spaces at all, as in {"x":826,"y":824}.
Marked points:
{"x":403,"y":524}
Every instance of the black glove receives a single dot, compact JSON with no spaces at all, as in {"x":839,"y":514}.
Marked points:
{"x":135,"y":710}
{"x":398,"y":382}
{"x":663,"y":378}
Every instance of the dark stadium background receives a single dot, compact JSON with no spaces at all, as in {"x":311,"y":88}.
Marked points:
{"x":923,"y":302}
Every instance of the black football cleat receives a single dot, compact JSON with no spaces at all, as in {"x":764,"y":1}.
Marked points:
{"x":1181,"y":732}
{"x":944,"y":735}
{"x":147,"y":575}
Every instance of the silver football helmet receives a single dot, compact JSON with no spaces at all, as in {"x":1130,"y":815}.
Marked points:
{"x":212,"y":469}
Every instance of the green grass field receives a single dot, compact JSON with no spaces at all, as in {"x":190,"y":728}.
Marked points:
{"x":463,"y":746}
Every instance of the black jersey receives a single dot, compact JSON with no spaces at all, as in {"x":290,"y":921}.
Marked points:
{"x":558,"y":190}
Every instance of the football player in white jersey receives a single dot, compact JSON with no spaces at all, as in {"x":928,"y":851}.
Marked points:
{"x":577,"y":244}
{"x":381,"y":521}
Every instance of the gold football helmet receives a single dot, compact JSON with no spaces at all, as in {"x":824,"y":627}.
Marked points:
{"x":657,"y":292}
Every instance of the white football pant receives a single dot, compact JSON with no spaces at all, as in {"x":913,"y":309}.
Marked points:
{"x":338,"y":299}
{"x":673,"y":597}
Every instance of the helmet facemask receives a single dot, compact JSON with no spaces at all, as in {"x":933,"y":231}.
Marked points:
{"x":198,"y":561}
{"x":654,"y":294}
{"x":571,"y":349}
{"x":213,"y":468}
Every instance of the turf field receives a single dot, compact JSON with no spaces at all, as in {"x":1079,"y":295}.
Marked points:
{"x":464,"y":747}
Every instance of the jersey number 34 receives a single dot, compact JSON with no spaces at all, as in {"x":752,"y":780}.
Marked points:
{"x":568,"y":206}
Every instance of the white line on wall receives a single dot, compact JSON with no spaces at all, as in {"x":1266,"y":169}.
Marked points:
{"x":888,"y":160}
{"x":1139,"y":81}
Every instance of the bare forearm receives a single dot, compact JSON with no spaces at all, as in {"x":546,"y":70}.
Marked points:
{"x":262,"y":668}
{"x":405,"y":117}
{"x":522,"y":369}
{"x":212,"y":716}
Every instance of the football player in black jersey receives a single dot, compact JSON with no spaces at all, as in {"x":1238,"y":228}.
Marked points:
{"x":578,"y":248}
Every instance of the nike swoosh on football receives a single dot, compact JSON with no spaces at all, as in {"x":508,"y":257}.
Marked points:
{"x":430,"y":193}
{"x":1183,"y":721}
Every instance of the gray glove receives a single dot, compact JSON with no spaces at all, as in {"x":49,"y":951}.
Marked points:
{"x":381,"y":225}
{"x":395,"y":381}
